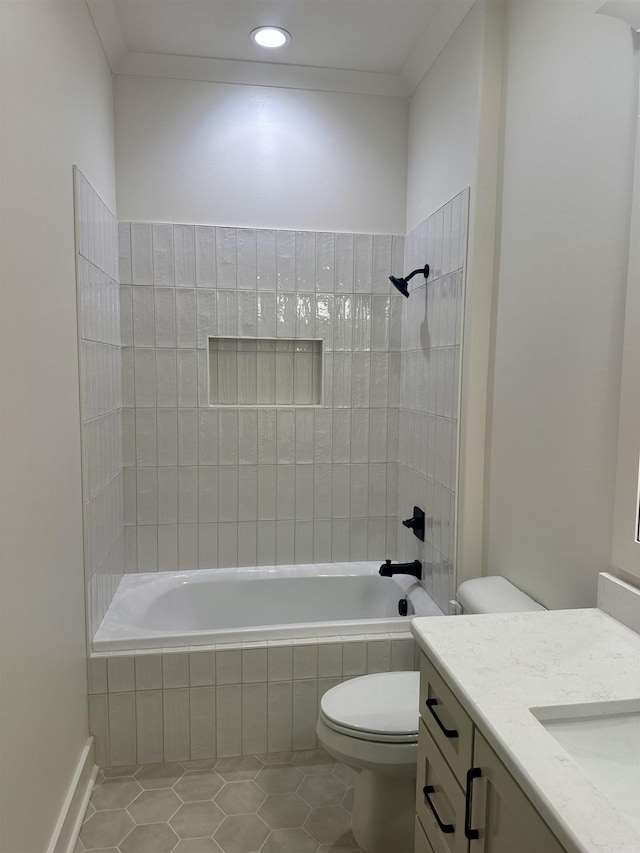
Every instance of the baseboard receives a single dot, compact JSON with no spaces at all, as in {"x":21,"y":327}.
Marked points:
{"x":67,"y":830}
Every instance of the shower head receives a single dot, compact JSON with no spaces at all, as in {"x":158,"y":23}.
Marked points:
{"x":402,"y":284}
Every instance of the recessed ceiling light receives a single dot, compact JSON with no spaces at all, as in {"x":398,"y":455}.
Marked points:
{"x":270,"y":37}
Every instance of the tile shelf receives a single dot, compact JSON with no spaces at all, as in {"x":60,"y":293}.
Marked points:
{"x":251,"y":372}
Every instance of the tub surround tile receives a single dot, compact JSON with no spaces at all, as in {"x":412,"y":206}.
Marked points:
{"x":222,"y":281}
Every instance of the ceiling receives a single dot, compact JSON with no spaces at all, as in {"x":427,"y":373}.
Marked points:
{"x":375,"y":46}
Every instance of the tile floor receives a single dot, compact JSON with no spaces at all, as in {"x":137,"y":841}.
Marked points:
{"x":287,"y":803}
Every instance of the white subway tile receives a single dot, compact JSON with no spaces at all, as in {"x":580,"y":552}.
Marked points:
{"x":97,"y":675}
{"x":329,"y":659}
{"x":305,"y":698}
{"x":228,"y":545}
{"x":148,"y":670}
{"x":141,"y":253}
{"x":207,"y":546}
{"x":205,"y":251}
{"x":146,"y":438}
{"x":175,"y":670}
{"x":303,"y":548}
{"x":202,"y":669}
{"x":202,"y":710}
{"x":402,"y":655}
{"x":226,"y":257}
{"x":354,"y":658}
{"x":165,"y":316}
{"x":254,"y":665}
{"x":124,"y":259}
{"x":207,"y":494}
{"x":168,"y":496}
{"x":149,"y":727}
{"x":122,"y":729}
{"x":279,"y":716}
{"x":147,"y":496}
{"x":266,"y":259}
{"x":187,"y":437}
{"x":285,"y":543}
{"x":266,"y":543}
{"x":186,"y":317}
{"x":187,"y":547}
{"x":147,"y":543}
{"x":246,"y":258}
{"x":206,"y":316}
{"x":99,"y":728}
{"x":185,"y":260}
{"x":229,"y":720}
{"x":247,"y":543}
{"x":378,"y":656}
{"x":145,"y":378}
{"x":167,"y":429}
{"x":254,"y":719}
{"x":322,"y":541}
{"x":344,"y":263}
{"x":163,"y":254}
{"x":176,"y":724}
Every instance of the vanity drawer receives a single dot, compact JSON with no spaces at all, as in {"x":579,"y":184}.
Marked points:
{"x":448,"y":724}
{"x":440,"y":801}
{"x":422,"y":843}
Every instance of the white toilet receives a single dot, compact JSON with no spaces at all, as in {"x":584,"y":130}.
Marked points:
{"x":371,"y":722}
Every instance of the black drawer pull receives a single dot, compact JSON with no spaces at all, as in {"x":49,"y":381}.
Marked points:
{"x":445,"y":827}
{"x":471,"y":834}
{"x":431,"y":703}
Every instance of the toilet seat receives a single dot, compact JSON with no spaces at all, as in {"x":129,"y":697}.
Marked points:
{"x":382,"y":708}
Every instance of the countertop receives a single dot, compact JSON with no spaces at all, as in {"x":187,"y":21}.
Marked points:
{"x":501,"y":665}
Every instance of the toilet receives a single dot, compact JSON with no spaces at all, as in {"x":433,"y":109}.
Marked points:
{"x":371,"y":723}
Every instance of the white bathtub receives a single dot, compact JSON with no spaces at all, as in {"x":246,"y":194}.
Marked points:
{"x":211,"y":606}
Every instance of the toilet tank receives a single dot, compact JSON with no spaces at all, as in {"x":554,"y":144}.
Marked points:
{"x":494,"y":594}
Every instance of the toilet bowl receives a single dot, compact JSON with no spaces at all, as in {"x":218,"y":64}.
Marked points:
{"x":371,"y":723}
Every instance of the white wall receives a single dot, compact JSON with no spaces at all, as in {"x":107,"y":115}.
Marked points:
{"x":568,"y":161}
{"x":454,"y":142}
{"x":443,"y":123}
{"x":223,"y":154}
{"x":56,"y":111}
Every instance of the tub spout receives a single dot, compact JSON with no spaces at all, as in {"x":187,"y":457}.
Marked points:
{"x":387,"y":570}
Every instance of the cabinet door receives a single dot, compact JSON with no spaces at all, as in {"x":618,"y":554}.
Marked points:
{"x":422,"y":845}
{"x":505,"y":819}
{"x":439,"y":799}
{"x":446,"y":720}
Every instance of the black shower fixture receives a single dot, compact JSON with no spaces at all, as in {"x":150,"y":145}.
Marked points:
{"x":403,"y":283}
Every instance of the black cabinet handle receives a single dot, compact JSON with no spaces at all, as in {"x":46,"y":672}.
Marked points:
{"x":431,"y":703}
{"x":445,"y":827}
{"x":471,"y":834}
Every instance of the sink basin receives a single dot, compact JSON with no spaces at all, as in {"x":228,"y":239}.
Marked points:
{"x":604,"y":740}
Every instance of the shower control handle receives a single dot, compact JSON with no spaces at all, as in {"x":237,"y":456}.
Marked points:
{"x":416,"y":523}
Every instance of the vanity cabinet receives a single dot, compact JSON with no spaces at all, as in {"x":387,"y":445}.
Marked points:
{"x":466,"y":800}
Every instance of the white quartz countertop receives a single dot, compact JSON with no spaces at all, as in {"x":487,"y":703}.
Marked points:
{"x":501,"y":665}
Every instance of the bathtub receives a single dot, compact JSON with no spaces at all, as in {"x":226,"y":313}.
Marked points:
{"x":246,"y":605}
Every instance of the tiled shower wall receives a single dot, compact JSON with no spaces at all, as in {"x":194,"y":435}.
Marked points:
{"x":101,"y":397}
{"x":225,"y":486}
{"x":429,"y":406}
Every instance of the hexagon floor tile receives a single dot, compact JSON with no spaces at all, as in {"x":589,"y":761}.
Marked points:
{"x":295,"y":802}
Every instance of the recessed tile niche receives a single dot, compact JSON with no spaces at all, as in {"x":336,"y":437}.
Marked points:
{"x":265,"y":372}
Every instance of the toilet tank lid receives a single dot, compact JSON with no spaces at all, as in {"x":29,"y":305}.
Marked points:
{"x":494,"y":594}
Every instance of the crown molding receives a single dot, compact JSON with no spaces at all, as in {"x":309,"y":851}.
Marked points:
{"x":123,"y":61}
{"x":260,"y":74}
{"x":433,"y":41}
